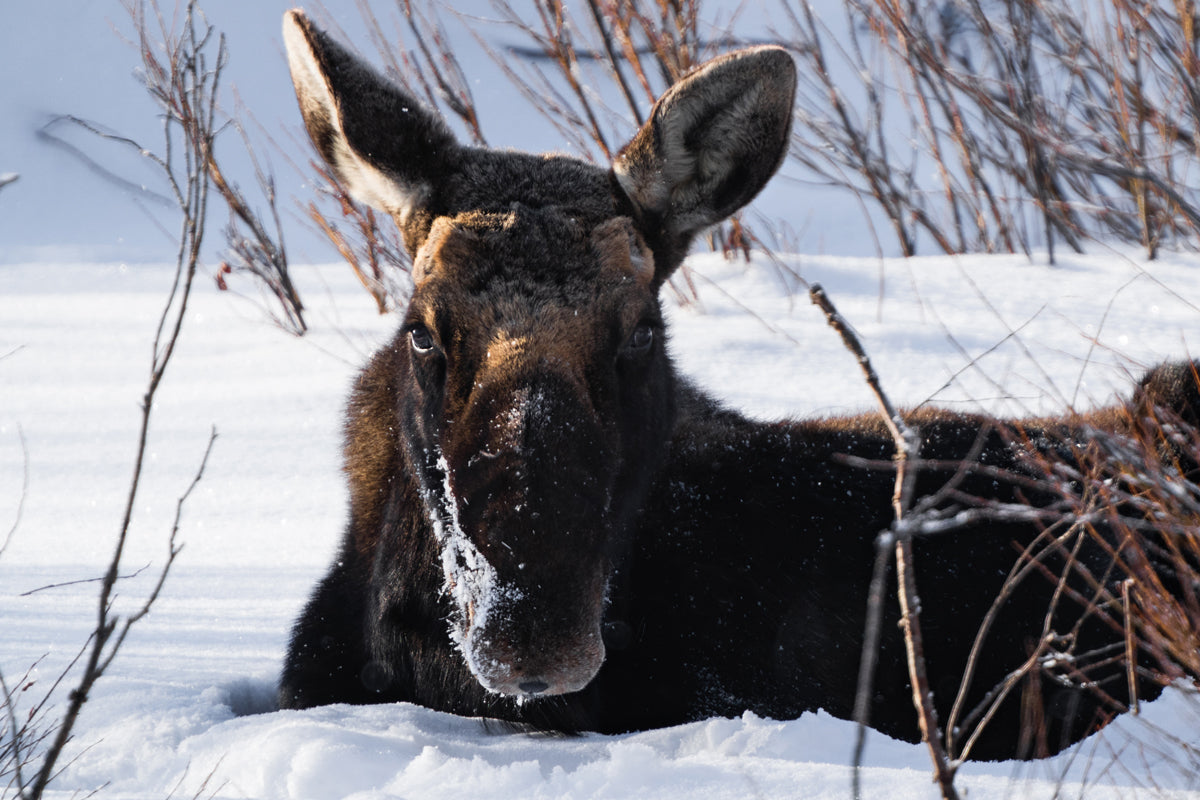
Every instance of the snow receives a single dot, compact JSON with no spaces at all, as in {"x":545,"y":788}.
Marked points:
{"x":188,"y":705}
{"x":470,"y":580}
{"x":187,"y":709}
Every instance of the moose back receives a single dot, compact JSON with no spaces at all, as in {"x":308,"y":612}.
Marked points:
{"x":549,"y":525}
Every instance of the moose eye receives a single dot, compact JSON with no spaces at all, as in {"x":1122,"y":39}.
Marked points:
{"x":421,"y":338}
{"x":641,"y":339}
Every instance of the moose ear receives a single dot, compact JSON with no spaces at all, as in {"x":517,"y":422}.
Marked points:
{"x":385,"y":148}
{"x":712,"y":142}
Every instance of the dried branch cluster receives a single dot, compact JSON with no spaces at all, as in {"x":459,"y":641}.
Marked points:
{"x":1129,"y":488}
{"x":969,"y":126}
{"x":1136,"y":486}
{"x":168,"y":73}
{"x":1042,"y":121}
{"x":184,"y":85}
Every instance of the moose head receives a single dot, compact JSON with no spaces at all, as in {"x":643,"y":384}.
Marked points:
{"x":534,"y":393}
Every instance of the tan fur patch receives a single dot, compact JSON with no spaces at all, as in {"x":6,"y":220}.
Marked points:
{"x":619,"y":248}
{"x":505,"y":350}
{"x":447,"y":243}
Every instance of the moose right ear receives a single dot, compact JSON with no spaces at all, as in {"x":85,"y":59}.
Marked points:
{"x":712,"y":142}
{"x":383,"y":146}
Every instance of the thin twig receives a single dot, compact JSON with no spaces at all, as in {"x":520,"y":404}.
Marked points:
{"x":907,"y":445}
{"x":1130,"y":655}
{"x":64,"y":584}
{"x":24,"y":491}
{"x":186,"y":88}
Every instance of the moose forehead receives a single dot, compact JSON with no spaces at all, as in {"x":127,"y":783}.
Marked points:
{"x":527,"y":265}
{"x":494,"y":180}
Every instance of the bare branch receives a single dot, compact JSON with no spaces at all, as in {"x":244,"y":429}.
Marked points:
{"x":907,"y":445}
{"x":82,"y":581}
{"x":186,"y":88}
{"x":257,"y":251}
{"x":24,"y":491}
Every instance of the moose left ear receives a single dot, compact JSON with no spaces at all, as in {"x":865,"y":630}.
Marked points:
{"x":712,"y":142}
{"x":384,"y":147}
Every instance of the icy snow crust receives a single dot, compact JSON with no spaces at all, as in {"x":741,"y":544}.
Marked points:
{"x":188,"y":704}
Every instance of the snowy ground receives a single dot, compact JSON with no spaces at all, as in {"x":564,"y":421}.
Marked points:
{"x":186,"y":708}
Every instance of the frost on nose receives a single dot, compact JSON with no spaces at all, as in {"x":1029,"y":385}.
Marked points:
{"x":539,"y":669}
{"x":491,"y":613}
{"x":471,"y":582}
{"x":511,"y":423}
{"x":519,"y":498}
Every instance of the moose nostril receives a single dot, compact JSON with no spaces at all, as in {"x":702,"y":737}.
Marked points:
{"x":533,"y":687}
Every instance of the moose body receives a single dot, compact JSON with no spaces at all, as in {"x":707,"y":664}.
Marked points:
{"x":548,"y":525}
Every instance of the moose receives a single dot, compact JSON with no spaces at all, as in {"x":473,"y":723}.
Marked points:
{"x":550,"y":527}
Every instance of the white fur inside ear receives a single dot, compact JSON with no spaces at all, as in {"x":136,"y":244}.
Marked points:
{"x":712,"y":142}
{"x":374,"y":187}
{"x":306,"y":75}
{"x":363,"y":181}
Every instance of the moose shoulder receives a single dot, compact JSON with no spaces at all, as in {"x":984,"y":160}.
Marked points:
{"x":549,"y":526}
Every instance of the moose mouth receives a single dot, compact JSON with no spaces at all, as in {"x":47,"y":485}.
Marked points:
{"x":513,"y":642}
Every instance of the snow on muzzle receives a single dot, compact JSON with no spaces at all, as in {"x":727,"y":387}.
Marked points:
{"x":524,"y":629}
{"x":518,"y":647}
{"x":529,"y":470}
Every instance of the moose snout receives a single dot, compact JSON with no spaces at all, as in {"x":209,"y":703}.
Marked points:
{"x":536,"y":671}
{"x":572,"y":673}
{"x":530,"y":483}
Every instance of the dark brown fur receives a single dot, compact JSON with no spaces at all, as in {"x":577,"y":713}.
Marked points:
{"x":541,"y":508}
